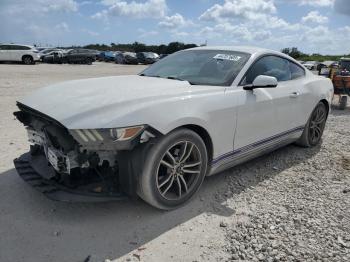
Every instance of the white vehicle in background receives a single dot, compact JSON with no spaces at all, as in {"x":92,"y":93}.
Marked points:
{"x":158,"y":134}
{"x":49,"y":51}
{"x":19,"y":53}
{"x":311,"y":65}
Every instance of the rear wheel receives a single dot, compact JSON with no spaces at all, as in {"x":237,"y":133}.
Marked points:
{"x":174,"y":170}
{"x":88,"y":61}
{"x":343,"y":100}
{"x":28,"y":60}
{"x":315,"y":126}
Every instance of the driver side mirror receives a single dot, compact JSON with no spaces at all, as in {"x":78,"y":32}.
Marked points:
{"x":262,"y":81}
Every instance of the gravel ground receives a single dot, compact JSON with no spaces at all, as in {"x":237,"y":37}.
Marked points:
{"x":291,"y":205}
{"x":296,"y":203}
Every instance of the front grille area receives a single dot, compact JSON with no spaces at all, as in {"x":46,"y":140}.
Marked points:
{"x":38,"y":176}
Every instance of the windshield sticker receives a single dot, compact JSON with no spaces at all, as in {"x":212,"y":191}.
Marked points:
{"x":227,"y":57}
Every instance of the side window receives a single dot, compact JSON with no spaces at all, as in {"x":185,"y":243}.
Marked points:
{"x":5,"y":47}
{"x":17,"y":47}
{"x":296,"y":71}
{"x":270,"y":66}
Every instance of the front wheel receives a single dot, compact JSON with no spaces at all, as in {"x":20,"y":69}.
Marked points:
{"x":28,"y":60}
{"x":315,"y":126}
{"x":174,"y":170}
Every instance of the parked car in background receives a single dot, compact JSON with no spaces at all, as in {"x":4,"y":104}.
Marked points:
{"x":344,"y":64}
{"x":40,"y":48}
{"x":48,"y":51}
{"x":158,"y":134}
{"x":110,"y":56}
{"x":101,"y":56}
{"x":328,"y":63}
{"x":96,"y":53}
{"x":311,"y":65}
{"x":147,"y":57}
{"x":334,"y":65}
{"x":320,"y":66}
{"x":19,"y":53}
{"x":129,"y":58}
{"x":161,"y":56}
{"x":79,"y":56}
{"x":54,"y":57}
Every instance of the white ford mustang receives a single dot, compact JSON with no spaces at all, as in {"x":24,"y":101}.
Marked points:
{"x":158,"y":134}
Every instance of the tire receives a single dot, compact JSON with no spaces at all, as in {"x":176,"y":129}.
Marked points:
{"x":88,"y":61}
{"x":28,"y":60}
{"x":167,"y":182}
{"x":343,"y":102}
{"x":314,"y":128}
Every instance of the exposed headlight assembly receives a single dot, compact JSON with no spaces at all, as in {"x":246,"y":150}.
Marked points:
{"x":122,"y":134}
{"x":107,"y":134}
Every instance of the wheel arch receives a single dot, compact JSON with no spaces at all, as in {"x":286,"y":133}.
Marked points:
{"x":23,"y":56}
{"x":204,"y":134}
{"x":326,"y":103}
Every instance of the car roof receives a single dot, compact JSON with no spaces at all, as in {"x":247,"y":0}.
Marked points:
{"x":244,"y":49}
{"x":19,"y":45}
{"x":252,"y":50}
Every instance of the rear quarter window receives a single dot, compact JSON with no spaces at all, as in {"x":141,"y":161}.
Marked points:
{"x":296,"y":71}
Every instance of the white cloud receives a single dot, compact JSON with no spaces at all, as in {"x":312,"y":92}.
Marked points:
{"x":318,"y":37}
{"x":227,"y":24}
{"x":174,"y":21}
{"x":62,"y":27}
{"x":61,"y":5}
{"x":145,"y":33}
{"x":148,"y":9}
{"x":233,"y":9}
{"x":38,"y":7}
{"x":236,"y":33}
{"x":182,"y":34}
{"x":340,"y":6}
{"x":317,"y":3}
{"x":315,"y":17}
{"x":91,"y":33}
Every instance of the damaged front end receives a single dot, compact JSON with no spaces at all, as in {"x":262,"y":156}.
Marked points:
{"x":81,"y":164}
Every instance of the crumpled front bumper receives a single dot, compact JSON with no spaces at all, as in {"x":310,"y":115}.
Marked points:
{"x":36,"y":172}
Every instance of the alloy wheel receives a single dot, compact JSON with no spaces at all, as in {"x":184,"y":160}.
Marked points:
{"x":179,"y":170}
{"x":27,"y":60}
{"x":317,"y":124}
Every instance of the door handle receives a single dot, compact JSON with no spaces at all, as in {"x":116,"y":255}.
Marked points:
{"x":294,"y":94}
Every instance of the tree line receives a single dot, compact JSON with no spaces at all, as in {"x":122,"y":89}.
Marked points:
{"x":177,"y":46}
{"x":298,"y":55}
{"x":140,"y":47}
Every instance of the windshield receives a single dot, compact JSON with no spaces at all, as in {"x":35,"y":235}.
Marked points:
{"x":130,"y":54}
{"x":200,"y":67}
{"x":151,"y":55}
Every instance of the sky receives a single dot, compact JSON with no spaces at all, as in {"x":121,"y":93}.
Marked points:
{"x":314,"y":26}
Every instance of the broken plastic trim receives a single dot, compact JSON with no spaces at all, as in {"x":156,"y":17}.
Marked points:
{"x":38,"y":176}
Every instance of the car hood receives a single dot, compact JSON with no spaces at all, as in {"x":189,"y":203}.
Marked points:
{"x":98,"y":102}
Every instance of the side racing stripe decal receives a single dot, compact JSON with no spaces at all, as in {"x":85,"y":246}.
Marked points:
{"x":256,"y":144}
